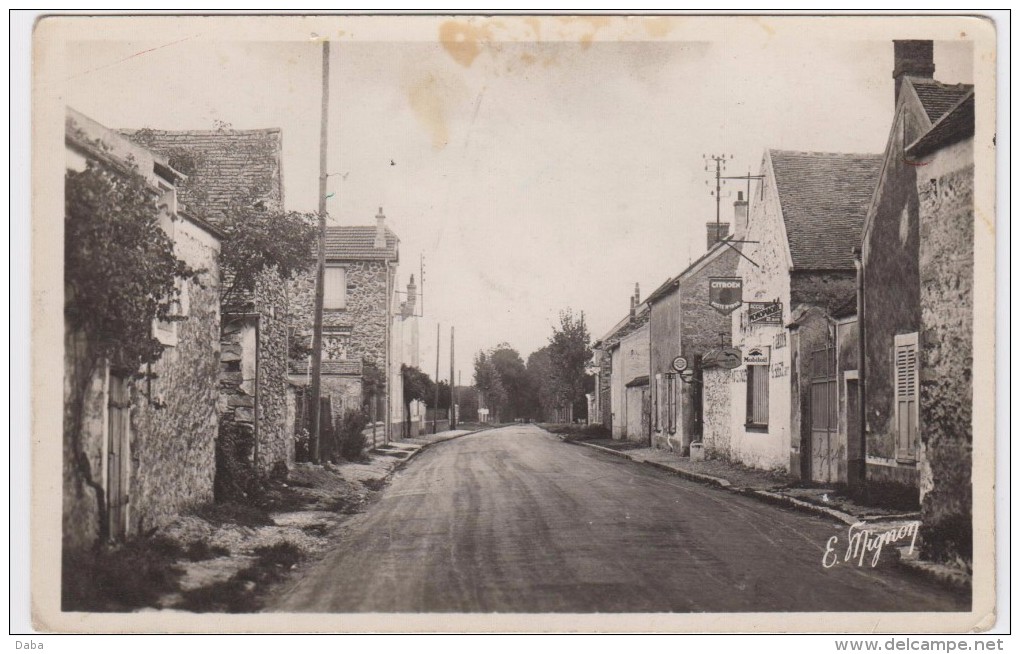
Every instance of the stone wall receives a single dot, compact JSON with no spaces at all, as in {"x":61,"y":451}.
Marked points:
{"x":254,"y":374}
{"x":716,"y":437}
{"x":827,"y":289}
{"x":946,"y":351}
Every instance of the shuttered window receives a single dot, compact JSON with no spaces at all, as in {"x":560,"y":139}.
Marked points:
{"x":905,"y":359}
{"x":758,"y":396}
{"x":335,"y":289}
{"x":671,"y":403}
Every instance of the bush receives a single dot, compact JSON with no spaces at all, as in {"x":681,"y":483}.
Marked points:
{"x":236,"y":477}
{"x":134,"y":575}
{"x":350,"y":435}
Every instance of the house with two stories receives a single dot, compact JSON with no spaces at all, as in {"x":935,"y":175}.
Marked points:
{"x":804,"y":223}
{"x":683,"y":324}
{"x":139,"y":445}
{"x":917,"y":301}
{"x":621,"y":401}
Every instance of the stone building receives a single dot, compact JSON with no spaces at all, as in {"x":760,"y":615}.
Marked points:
{"x":143,"y":449}
{"x":230,"y":170}
{"x":682,"y":323}
{"x":359,"y":310}
{"x":609,"y":389}
{"x":804,"y":223}
{"x":917,"y":263}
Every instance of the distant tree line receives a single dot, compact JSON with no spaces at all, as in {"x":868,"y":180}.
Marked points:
{"x":552,"y":382}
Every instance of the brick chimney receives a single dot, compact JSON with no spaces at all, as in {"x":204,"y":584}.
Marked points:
{"x":912,"y":59}
{"x":716,"y":232}
{"x":380,"y":231}
{"x":740,"y":216}
{"x":412,"y":298}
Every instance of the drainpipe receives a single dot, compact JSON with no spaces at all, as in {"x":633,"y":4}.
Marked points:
{"x":387,"y":325}
{"x":858,"y":478}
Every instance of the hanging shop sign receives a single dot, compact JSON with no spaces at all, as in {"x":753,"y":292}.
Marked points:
{"x":765,"y":313}
{"x":727,"y":357}
{"x":757,"y":356}
{"x":725,"y":293}
{"x":679,"y":364}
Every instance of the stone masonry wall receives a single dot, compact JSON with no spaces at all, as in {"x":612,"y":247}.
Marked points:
{"x":716,"y":436}
{"x":946,"y":357}
{"x":173,"y":419}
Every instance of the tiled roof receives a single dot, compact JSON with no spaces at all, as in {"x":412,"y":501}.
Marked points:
{"x":954,"y":126}
{"x":329,"y":367}
{"x":824,"y":199}
{"x":357,"y":242}
{"x":223,"y":167}
{"x":938,"y":98}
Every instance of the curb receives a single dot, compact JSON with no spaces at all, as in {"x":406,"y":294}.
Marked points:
{"x":415,"y":453}
{"x":935,"y":572}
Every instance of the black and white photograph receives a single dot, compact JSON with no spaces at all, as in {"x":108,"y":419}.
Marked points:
{"x":513,"y":323}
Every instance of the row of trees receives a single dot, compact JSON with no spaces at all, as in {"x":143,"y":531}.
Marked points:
{"x":552,"y":382}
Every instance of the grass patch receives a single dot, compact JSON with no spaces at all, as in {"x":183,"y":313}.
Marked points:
{"x":220,"y":514}
{"x":243,"y":592}
{"x":376,"y":484}
{"x":342,"y":504}
{"x":200,"y":550}
{"x":318,"y":529}
{"x":133,"y":575}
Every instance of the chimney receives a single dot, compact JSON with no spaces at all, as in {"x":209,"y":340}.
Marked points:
{"x":637,"y":294}
{"x":740,"y":216}
{"x":633,"y":308}
{"x":380,"y":231}
{"x":412,"y":298}
{"x":716,"y":232}
{"x":912,"y":59}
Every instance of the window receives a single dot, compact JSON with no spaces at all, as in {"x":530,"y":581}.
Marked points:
{"x":335,"y":288}
{"x":758,"y":396}
{"x":905,"y":359}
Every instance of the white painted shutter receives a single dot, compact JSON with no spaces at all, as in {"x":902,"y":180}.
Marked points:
{"x":335,"y":289}
{"x":905,"y":360}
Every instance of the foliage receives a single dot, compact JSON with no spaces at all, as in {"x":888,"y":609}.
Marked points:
{"x":373,"y":381}
{"x":569,"y":352}
{"x":120,"y":578}
{"x":513,"y":376}
{"x":120,"y":269}
{"x":236,"y":478}
{"x":417,"y":385}
{"x":542,"y":383}
{"x":488,"y":382}
{"x":350,"y":435}
{"x":258,"y":239}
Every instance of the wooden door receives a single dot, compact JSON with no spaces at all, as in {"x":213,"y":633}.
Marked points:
{"x":118,"y":463}
{"x":824,"y":415}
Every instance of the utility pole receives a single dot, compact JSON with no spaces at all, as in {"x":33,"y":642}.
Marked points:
{"x":435,"y":412}
{"x":320,"y":271}
{"x":453,"y":417}
{"x":720,"y":166}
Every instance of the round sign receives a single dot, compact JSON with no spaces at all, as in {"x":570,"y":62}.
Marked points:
{"x":679,"y":364}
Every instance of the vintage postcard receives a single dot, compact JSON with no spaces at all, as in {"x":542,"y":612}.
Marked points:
{"x":513,"y":323}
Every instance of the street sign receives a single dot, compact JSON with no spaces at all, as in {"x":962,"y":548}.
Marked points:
{"x":727,"y":357}
{"x":679,"y":364}
{"x":725,"y":293}
{"x":765,"y":313}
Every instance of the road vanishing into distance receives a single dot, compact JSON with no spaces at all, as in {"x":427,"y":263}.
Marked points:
{"x":515,"y":520}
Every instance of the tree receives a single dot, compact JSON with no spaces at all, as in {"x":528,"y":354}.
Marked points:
{"x":257,"y":240}
{"x":417,"y":386}
{"x":569,"y":352}
{"x":514,"y":378}
{"x":488,"y":382}
{"x":541,"y":384}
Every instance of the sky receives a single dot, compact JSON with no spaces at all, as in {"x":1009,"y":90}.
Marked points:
{"x":532,"y":176}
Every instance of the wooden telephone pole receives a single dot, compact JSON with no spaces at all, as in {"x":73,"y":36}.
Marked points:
{"x":435,"y":412}
{"x":453,"y":415}
{"x":320,"y":271}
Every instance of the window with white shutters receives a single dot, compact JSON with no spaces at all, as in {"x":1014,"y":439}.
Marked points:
{"x":906,"y":392}
{"x":335,"y":288}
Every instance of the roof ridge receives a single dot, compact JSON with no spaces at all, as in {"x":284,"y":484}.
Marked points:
{"x":813,"y":153}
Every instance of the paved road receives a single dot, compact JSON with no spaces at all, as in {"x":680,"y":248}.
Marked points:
{"x":514,"y":520}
